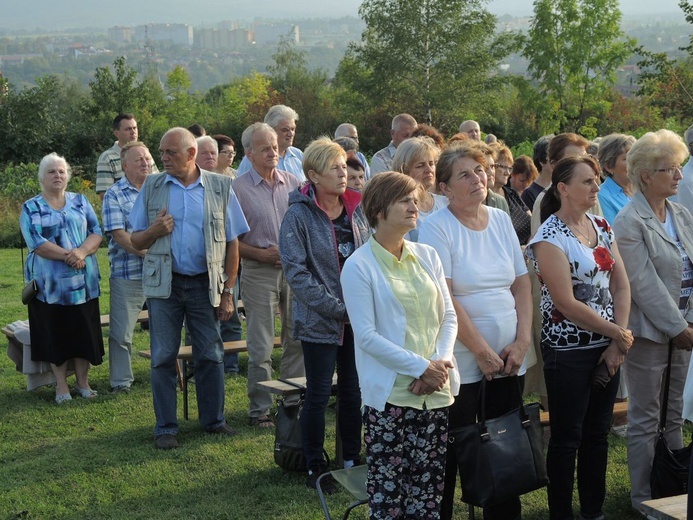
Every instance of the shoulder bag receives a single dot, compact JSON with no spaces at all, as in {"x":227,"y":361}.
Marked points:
{"x":669,"y":475}
{"x":500,"y":458}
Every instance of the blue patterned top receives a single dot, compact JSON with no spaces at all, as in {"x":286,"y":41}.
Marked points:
{"x":68,"y":228}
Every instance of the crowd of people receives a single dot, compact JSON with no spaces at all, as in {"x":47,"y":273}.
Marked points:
{"x":442,"y":263}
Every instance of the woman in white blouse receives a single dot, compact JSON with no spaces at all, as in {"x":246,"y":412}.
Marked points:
{"x":487,"y":276}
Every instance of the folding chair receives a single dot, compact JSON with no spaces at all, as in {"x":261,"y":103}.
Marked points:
{"x":352,"y":480}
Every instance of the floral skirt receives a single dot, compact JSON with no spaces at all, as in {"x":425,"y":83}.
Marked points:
{"x":405,"y":453}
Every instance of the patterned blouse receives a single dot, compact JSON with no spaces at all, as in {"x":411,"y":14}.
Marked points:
{"x":68,"y":228}
{"x":590,"y":270}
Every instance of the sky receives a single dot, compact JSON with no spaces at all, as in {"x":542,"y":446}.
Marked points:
{"x":61,"y":14}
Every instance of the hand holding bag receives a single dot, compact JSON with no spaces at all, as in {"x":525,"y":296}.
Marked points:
{"x":500,"y":458}
{"x":669,"y":475}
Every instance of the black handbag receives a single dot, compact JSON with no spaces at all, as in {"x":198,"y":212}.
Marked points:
{"x":500,"y":458}
{"x":669,"y":475}
{"x":29,"y":292}
{"x":288,"y":448}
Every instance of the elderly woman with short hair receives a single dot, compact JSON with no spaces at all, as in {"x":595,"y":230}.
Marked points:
{"x":63,"y":234}
{"x":617,"y":190}
{"x":655,"y":237}
{"x":404,"y":328}
{"x":487,"y":276}
{"x":417,"y":158}
{"x":322,"y":228}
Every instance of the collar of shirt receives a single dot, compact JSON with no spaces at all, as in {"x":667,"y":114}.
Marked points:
{"x":174,"y":180}
{"x":257,"y":178}
{"x":387,"y":258}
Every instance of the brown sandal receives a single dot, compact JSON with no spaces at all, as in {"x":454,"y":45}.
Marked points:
{"x":262,"y":421}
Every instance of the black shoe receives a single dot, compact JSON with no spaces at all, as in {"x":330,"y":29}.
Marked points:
{"x":166,"y":441}
{"x":120,"y":389}
{"x":327,"y":484}
{"x":224,"y":429}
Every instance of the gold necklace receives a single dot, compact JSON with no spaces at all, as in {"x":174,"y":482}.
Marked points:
{"x":578,"y":231}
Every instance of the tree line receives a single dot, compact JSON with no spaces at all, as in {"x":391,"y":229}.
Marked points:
{"x":435,"y":59}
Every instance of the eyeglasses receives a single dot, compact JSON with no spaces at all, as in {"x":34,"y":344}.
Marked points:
{"x":670,"y":171}
{"x":502,"y":167}
{"x":228,"y":152}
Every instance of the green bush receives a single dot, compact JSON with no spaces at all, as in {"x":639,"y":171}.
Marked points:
{"x":20,"y":183}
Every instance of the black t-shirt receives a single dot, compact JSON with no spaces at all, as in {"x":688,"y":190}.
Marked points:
{"x":345,"y":237}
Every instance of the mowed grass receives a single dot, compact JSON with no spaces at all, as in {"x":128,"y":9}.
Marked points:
{"x":95,"y":459}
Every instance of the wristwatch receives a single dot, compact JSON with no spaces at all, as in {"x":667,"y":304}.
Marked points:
{"x":227,"y":290}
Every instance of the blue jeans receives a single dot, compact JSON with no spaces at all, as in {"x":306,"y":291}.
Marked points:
{"x":320,"y":360}
{"x":190,"y":300}
{"x":502,"y":396}
{"x":232,"y":330}
{"x":580,"y":420}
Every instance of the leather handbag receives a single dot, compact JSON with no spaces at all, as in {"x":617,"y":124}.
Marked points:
{"x":500,"y":458}
{"x":288,"y":448}
{"x":669,"y":475}
{"x":29,"y":292}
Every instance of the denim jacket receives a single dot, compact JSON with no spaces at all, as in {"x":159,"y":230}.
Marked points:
{"x":308,"y":250}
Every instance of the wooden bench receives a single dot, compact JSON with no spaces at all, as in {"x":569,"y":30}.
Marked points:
{"x":185,"y":356}
{"x":620,"y":410}
{"x":669,"y":508}
{"x":106,"y":318}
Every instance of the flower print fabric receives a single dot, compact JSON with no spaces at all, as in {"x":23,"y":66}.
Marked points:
{"x":590,"y":271}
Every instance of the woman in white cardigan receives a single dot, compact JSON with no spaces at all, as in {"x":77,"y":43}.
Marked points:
{"x":404,"y":331}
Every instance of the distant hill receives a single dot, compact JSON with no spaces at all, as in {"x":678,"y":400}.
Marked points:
{"x":64,"y":14}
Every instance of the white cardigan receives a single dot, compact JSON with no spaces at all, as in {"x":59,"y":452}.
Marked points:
{"x":379,"y":323}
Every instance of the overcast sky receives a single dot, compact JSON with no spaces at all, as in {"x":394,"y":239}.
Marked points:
{"x":61,"y":14}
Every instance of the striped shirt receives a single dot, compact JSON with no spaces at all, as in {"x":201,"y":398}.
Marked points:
{"x":115,"y":212}
{"x":263,"y":205}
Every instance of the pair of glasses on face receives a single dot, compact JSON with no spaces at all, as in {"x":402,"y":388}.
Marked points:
{"x":502,"y":167}
{"x":229,"y":153}
{"x":670,"y":171}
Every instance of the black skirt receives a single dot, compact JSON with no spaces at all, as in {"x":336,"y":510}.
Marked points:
{"x":62,"y":332}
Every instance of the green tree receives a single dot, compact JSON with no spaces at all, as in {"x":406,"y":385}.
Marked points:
{"x":574,"y":48}
{"x":433,"y":58}
{"x":303,"y":90}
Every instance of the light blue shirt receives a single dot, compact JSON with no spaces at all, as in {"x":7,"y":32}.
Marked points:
{"x":186,"y":206}
{"x":612,"y":199}
{"x":292,"y":162}
{"x":366,"y":167}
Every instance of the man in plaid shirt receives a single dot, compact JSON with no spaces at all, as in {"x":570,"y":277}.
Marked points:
{"x":127,"y":297}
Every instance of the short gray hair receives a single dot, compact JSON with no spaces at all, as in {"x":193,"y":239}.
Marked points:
{"x":48,"y":161}
{"x":207,"y":139}
{"x":402,"y":119}
{"x":278,"y":113}
{"x":185,"y":136}
{"x":248,"y":133}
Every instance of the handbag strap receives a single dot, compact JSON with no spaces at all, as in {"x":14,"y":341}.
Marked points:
{"x":665,"y":400}
{"x":482,"y":401}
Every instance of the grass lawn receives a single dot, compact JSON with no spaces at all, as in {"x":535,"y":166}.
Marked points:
{"x":95,"y":459}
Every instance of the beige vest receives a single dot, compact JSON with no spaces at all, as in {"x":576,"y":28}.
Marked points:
{"x":157,"y":270}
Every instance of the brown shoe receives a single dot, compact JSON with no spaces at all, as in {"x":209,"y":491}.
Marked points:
{"x":166,"y":441}
{"x":224,"y":429}
{"x":263,"y":421}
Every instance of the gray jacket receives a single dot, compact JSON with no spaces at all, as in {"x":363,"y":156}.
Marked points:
{"x":308,"y":250}
{"x":654,"y":267}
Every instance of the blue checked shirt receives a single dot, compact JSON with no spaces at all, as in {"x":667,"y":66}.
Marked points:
{"x":116,"y":207}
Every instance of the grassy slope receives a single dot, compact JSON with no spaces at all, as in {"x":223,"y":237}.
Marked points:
{"x":96,"y":460}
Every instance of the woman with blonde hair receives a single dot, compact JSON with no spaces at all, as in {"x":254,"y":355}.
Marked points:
{"x":655,"y":237}
{"x":417,"y":158}
{"x":323,"y":227}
